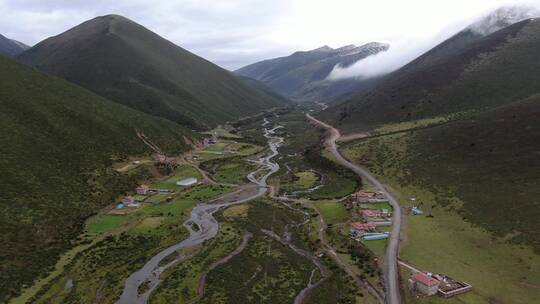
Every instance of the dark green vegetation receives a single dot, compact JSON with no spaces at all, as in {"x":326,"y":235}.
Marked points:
{"x":230,"y":170}
{"x":461,"y":76}
{"x":267,"y":271}
{"x":100,"y":270}
{"x":125,"y":62}
{"x":10,"y":47}
{"x":489,"y":162}
{"x":302,"y":75}
{"x":180,"y":283}
{"x":302,"y":152}
{"x":57,"y":145}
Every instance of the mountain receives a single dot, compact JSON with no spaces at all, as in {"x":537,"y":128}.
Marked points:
{"x":125,"y":62}
{"x":487,"y":161}
{"x":10,"y":47}
{"x":58,"y":142}
{"x":468,"y":72}
{"x":302,"y":76}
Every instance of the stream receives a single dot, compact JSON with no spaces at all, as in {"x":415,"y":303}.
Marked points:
{"x":202,"y":217}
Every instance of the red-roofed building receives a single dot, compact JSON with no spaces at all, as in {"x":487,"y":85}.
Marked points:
{"x":371,"y":213}
{"x":142,"y":189}
{"x":358,"y":229}
{"x":424,"y":283}
{"x":363,"y":226}
{"x":367,"y":195}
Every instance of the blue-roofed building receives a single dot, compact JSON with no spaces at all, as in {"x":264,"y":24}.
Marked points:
{"x":416,"y":211}
{"x":375,"y":236}
{"x":120,"y":206}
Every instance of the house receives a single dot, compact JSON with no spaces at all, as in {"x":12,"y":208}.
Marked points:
{"x":371,"y":213}
{"x":363,"y":226}
{"x":229,"y":149}
{"x":382,"y":223}
{"x":375,"y":236}
{"x":358,"y":229}
{"x":190,"y":181}
{"x":128,"y":200}
{"x":367,"y":197}
{"x":142,"y":189}
{"x":424,"y":283}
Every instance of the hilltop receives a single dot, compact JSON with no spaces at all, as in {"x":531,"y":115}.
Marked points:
{"x":57,"y":148}
{"x":302,"y":76}
{"x":468,"y":72}
{"x":127,"y":63}
{"x":10,"y":47}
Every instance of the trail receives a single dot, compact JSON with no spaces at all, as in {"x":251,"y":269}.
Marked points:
{"x":391,"y":273}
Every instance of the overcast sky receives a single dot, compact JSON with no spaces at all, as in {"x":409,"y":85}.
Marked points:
{"x":233,"y":33}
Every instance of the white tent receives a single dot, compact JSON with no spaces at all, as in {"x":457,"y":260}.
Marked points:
{"x":187,"y":182}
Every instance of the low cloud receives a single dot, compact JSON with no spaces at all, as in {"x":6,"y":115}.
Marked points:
{"x":405,"y":50}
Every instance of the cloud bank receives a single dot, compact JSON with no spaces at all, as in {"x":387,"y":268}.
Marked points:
{"x":406,"y":49}
{"x":233,"y":33}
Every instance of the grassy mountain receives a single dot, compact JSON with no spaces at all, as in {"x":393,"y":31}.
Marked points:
{"x":302,"y":75}
{"x":489,"y":162}
{"x":125,"y":62}
{"x":10,"y":47}
{"x":58,"y":142}
{"x":468,"y":72}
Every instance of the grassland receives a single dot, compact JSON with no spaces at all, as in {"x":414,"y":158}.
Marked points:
{"x":333,"y":212}
{"x":58,"y":147}
{"x":266,"y":271}
{"x":128,"y":242}
{"x":230,"y":170}
{"x":106,"y":222}
{"x":302,"y":154}
{"x":460,"y":238}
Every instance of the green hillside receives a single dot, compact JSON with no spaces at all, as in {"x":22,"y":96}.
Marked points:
{"x":58,"y":143}
{"x":125,"y":62}
{"x":302,"y":76}
{"x":489,"y":162}
{"x":467,"y":73}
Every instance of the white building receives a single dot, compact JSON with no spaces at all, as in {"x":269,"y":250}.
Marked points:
{"x":190,"y":181}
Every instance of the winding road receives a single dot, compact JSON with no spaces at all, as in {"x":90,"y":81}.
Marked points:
{"x":393,"y":295}
{"x":202,"y":216}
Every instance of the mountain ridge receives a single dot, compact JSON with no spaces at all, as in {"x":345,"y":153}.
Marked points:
{"x":302,"y":76}
{"x":125,"y":62}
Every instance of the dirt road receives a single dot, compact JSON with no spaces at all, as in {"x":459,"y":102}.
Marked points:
{"x":390,"y":262}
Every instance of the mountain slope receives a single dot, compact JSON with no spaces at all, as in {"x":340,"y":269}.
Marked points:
{"x":58,"y":142}
{"x":302,"y":75}
{"x":489,"y":162}
{"x":468,"y":72}
{"x":10,"y":47}
{"x":125,"y":62}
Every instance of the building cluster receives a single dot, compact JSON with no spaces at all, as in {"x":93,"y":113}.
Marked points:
{"x":162,"y":159}
{"x":371,"y":219}
{"x":367,"y":197}
{"x":427,"y":284}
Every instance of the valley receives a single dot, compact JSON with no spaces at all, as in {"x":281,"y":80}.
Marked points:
{"x":389,"y":171}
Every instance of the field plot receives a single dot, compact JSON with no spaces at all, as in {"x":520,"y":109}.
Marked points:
{"x":333,"y":212}
{"x":107,"y":222}
{"x":229,"y":170}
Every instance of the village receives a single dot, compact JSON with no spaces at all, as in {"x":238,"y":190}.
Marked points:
{"x":373,"y":217}
{"x":180,"y":173}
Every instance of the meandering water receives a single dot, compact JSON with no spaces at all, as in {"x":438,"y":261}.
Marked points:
{"x":202,"y":216}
